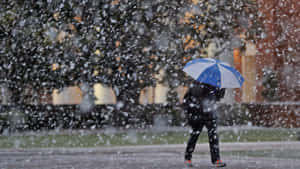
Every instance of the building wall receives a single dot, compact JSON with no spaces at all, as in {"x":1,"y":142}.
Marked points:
{"x":249,"y":73}
{"x":104,"y":95}
{"x":282,"y":38}
{"x":69,"y":95}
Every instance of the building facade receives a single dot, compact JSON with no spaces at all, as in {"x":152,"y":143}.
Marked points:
{"x":279,"y":51}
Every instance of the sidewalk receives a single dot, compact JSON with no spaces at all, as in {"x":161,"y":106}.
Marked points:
{"x":229,"y":147}
{"x":151,"y":156}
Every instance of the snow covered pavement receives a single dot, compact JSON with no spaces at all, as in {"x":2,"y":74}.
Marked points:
{"x":152,"y":157}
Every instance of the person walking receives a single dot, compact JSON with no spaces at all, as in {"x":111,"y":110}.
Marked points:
{"x":199,"y":105}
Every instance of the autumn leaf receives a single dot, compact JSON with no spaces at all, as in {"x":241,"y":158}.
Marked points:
{"x":98,"y":52}
{"x":146,"y":49}
{"x":190,"y":43}
{"x":198,"y":28}
{"x":78,"y":19}
{"x":55,"y":16}
{"x":195,"y":1}
{"x":54,"y":66}
{"x":118,"y":43}
{"x":95,"y":73}
{"x":72,"y":27}
{"x":118,"y":59}
{"x":185,"y":59}
{"x":115,"y":2}
{"x":188,"y":16}
{"x":154,"y":57}
{"x":61,"y":36}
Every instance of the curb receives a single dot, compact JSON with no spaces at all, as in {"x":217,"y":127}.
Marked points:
{"x":179,"y":148}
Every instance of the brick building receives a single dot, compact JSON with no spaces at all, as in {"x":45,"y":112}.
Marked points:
{"x":279,"y":52}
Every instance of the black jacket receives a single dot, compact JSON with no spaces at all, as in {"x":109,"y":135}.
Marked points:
{"x":199,"y":101}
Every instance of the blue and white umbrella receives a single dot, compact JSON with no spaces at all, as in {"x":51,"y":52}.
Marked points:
{"x":214,"y":72}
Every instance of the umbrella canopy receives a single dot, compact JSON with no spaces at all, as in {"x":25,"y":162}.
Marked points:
{"x":214,"y":72}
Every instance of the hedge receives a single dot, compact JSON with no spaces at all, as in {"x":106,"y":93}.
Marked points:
{"x":44,"y":117}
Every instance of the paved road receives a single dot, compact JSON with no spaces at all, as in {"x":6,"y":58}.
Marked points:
{"x":146,"y":157}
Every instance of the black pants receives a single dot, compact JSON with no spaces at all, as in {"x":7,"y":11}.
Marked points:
{"x":197,"y":127}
